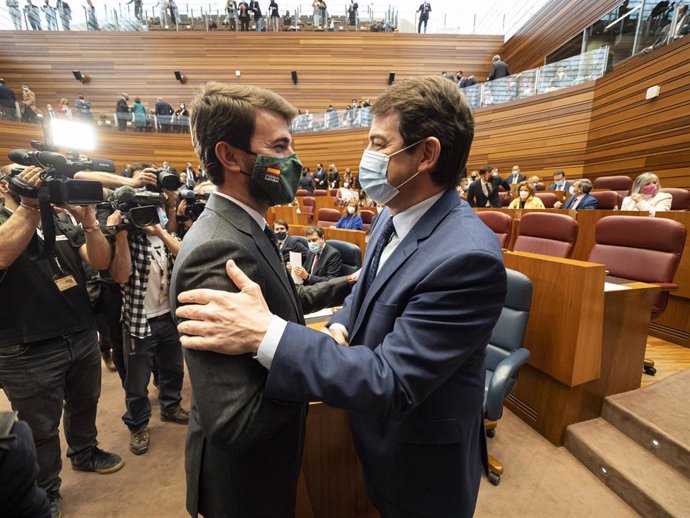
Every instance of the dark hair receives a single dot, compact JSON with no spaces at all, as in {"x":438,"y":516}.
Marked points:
{"x":314,"y":230}
{"x":486,"y":169}
{"x":282,"y":223}
{"x":128,"y":172}
{"x":432,"y":106}
{"x":559,"y":172}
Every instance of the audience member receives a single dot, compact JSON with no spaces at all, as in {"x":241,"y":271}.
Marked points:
{"x":231,"y":15}
{"x":559,"y":182}
{"x":320,"y":177}
{"x":306,"y":181}
{"x":516,"y":177}
{"x":580,"y":197}
{"x":423,"y":10}
{"x":333,"y":178}
{"x":33,"y":14}
{"x":141,"y":114}
{"x":91,"y":19}
{"x":350,"y":220}
{"x":484,"y":192}
{"x":346,"y":193}
{"x":8,"y":102}
{"x":273,"y":17}
{"x":174,"y":14}
{"x":65,"y":13}
{"x":352,"y":10}
{"x":83,"y":108}
{"x":49,"y":357}
{"x":536,"y":181}
{"x":63,"y":110}
{"x":323,"y":261}
{"x":288,"y":243}
{"x":255,"y":9}
{"x":526,"y":198}
{"x":15,"y":13}
{"x":138,"y":4}
{"x":499,"y":68}
{"x":181,"y":120}
{"x":28,"y":104}
{"x":243,"y":15}
{"x":559,"y":80}
{"x":646,"y":195}
{"x":164,"y":113}
{"x":122,"y":112}
{"x":49,"y":13}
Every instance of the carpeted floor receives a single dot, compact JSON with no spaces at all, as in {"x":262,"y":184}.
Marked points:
{"x":540,"y":480}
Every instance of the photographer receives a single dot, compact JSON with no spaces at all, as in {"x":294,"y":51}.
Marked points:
{"x":48,"y":348}
{"x":191,"y":205}
{"x":142,"y":264}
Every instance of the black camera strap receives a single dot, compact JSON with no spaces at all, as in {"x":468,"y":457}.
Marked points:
{"x":35,"y":250}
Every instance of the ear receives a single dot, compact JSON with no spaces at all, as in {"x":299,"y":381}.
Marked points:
{"x":230,"y":157}
{"x":431,"y":151}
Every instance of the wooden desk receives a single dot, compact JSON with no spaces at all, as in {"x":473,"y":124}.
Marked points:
{"x":284,"y":212}
{"x":585,"y":344}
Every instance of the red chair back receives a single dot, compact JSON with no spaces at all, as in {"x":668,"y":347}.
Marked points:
{"x":302,"y":192}
{"x":367,"y":217}
{"x":332,"y":192}
{"x":608,"y":200}
{"x":641,"y":249}
{"x":681,"y":198}
{"x":549,"y":199}
{"x":499,"y":223}
{"x":327,"y":217}
{"x":619,"y":183}
{"x":320,"y":192}
{"x":547,"y":234}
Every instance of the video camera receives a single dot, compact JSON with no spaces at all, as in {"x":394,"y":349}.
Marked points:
{"x":139,"y":207}
{"x":57,"y":176}
{"x":196,"y":203}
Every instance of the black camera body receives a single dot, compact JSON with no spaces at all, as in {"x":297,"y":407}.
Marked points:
{"x":139,"y":208}
{"x":167,"y":180}
{"x":196,"y":203}
{"x":57,"y":176}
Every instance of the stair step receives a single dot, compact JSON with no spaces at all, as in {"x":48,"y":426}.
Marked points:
{"x":656,"y":417}
{"x":645,"y":482}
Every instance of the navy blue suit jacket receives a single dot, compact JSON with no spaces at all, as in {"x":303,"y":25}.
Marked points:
{"x":588,"y":202}
{"x":412,"y":378}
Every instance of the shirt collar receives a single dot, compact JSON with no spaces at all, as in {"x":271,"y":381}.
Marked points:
{"x":253,"y":213}
{"x":405,"y":220}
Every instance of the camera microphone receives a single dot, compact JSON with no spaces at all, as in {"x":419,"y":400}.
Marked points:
{"x":123,"y":195}
{"x":37,"y":158}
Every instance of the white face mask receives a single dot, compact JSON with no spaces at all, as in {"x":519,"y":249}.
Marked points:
{"x":373,"y":175}
{"x":571,"y":190}
{"x":351,"y":209}
{"x":524,"y":195}
{"x":314,"y":247}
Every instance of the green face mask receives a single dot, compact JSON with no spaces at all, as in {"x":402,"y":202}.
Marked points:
{"x":277,"y":177}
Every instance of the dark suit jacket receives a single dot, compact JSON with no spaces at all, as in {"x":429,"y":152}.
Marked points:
{"x":163,"y":108}
{"x":498,"y":70}
{"x":121,"y":106}
{"x":412,"y":378}
{"x":292,"y":244}
{"x":566,"y":188}
{"x":243,"y":449}
{"x":587,"y":202}
{"x":328,"y":266}
{"x":521,"y":178}
{"x":475,"y":194}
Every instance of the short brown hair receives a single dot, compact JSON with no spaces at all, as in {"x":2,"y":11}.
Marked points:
{"x":227,"y":112}
{"x":432,"y":106}
{"x":527,"y":185}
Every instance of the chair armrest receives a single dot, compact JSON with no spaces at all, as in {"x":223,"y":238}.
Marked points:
{"x":500,"y":383}
{"x":666,"y":286}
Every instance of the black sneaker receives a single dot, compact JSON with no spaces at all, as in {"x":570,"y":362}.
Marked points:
{"x":55,"y":501}
{"x":139,"y":441}
{"x":177,"y":415}
{"x":99,"y":461}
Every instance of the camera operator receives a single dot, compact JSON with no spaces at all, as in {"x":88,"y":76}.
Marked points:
{"x":191,"y":205}
{"x":142,"y":264}
{"x":48,"y":348}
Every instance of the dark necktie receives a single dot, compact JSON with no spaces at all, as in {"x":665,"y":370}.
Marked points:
{"x":383,"y":240}
{"x":272,"y":238}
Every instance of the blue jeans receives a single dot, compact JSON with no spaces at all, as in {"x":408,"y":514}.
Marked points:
{"x":38,"y":378}
{"x":258,"y":21}
{"x":164,"y":345}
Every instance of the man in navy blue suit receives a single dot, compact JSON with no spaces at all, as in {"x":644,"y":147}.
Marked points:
{"x":405,"y":355}
{"x":580,"y":199}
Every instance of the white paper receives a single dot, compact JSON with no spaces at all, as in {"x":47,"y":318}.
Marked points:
{"x":296,"y":260}
{"x":609,"y":286}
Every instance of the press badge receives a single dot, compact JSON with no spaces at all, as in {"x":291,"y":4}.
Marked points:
{"x":65,"y":281}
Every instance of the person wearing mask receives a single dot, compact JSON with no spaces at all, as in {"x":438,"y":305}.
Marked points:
{"x":515,"y":177}
{"x":243,"y":15}
{"x":333,"y":179}
{"x":350,"y":220}
{"x":164,"y":113}
{"x":405,"y":355}
{"x":579,"y":197}
{"x":526,"y":198}
{"x":323,"y":261}
{"x":346,"y":193}
{"x":646,"y":195}
{"x":123,"y":112}
{"x":484,"y":192}
{"x":288,"y":243}
{"x":28,"y":104}
{"x":320,"y":177}
{"x":559,"y":182}
{"x":181,"y":121}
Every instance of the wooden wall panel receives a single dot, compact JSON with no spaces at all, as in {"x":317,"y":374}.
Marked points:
{"x":552,"y":26}
{"x":332,"y":67}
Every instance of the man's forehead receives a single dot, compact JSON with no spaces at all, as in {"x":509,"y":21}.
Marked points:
{"x":385,"y":125}
{"x":270,"y":126}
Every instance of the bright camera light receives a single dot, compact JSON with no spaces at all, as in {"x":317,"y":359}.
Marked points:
{"x":73,"y":135}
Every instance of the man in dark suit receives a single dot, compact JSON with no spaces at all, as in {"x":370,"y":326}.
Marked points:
{"x":288,"y":243}
{"x":320,"y":177}
{"x":499,"y":68}
{"x":417,"y":323}
{"x":559,"y":182}
{"x":122,"y":112}
{"x":323,"y":261}
{"x":580,"y":199}
{"x":515,"y":177}
{"x":164,"y":114}
{"x":484,"y":192}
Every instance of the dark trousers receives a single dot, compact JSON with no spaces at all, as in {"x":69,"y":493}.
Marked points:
{"x":164,"y":346}
{"x":422,"y":21}
{"x":244,"y":24}
{"x":38,"y":378}
{"x":107,"y":312}
{"x":122,"y":119}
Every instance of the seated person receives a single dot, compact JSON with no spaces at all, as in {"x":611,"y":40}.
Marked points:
{"x":646,"y":195}
{"x":536,"y":181}
{"x":346,"y":193}
{"x":559,"y":182}
{"x":323,"y":261}
{"x":526,"y":198}
{"x":351,"y":220}
{"x":580,"y":199}
{"x":287,"y":243}
{"x":306,"y":182}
